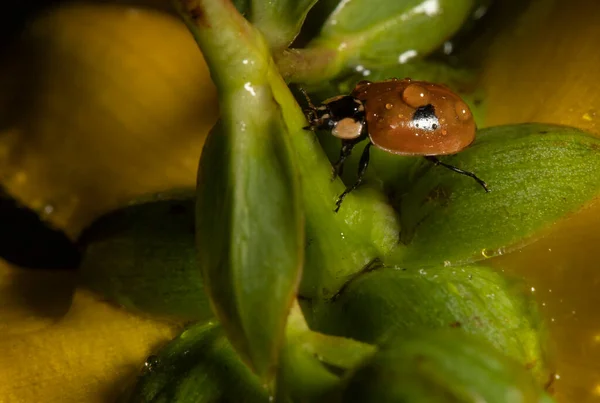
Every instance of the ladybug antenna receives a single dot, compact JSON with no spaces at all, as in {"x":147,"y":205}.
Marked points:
{"x":308,"y":101}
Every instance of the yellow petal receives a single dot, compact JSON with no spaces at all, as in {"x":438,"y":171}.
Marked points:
{"x":98,"y":104}
{"x":546,"y":68}
{"x":88,"y":355}
{"x":103,"y":103}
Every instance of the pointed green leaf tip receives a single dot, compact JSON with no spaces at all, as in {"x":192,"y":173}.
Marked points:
{"x":278,"y":20}
{"x":441,"y":367}
{"x":537,"y":174}
{"x":250,"y":227}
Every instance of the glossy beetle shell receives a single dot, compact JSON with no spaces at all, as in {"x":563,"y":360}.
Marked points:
{"x":410,"y":117}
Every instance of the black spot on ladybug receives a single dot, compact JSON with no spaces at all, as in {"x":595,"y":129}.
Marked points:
{"x":425,"y":118}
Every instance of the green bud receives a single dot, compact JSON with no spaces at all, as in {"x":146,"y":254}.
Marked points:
{"x":440,"y":367}
{"x":392,"y":301}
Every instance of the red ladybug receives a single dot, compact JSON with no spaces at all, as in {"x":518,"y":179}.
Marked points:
{"x":404,"y":117}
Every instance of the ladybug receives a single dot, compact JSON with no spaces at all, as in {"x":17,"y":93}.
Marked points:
{"x":404,"y":117}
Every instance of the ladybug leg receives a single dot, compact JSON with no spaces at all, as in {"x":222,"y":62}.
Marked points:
{"x":458,"y":171}
{"x":362,"y":169}
{"x":345,"y":151}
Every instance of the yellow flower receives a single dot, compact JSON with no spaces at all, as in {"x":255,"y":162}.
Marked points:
{"x":105,"y":103}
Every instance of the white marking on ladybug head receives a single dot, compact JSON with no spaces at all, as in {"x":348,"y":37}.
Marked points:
{"x":347,"y":129}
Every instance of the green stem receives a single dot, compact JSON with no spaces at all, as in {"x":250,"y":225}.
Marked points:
{"x":332,"y":350}
{"x":339,"y":244}
{"x":303,"y":375}
{"x":310,"y":65}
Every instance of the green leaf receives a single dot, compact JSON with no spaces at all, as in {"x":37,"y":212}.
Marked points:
{"x":144,"y":257}
{"x":391,"y":301}
{"x":441,"y":367}
{"x":199,"y":366}
{"x":382,"y":32}
{"x":250,"y":226}
{"x":537,"y":174}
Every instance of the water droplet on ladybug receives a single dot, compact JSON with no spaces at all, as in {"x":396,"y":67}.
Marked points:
{"x":462,"y":111}
{"x":415,"y":95}
{"x":388,"y":106}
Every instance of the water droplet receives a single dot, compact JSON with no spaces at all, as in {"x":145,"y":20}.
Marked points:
{"x":532,"y":289}
{"x":428,"y":7}
{"x":415,"y":95}
{"x":462,"y":111}
{"x":359,"y":68}
{"x":480,"y":12}
{"x":406,"y":56}
{"x":48,"y":209}
{"x":447,"y":263}
{"x":556,"y":376}
{"x":366,"y":73}
{"x":486,"y":254}
{"x":448,"y":47}
{"x":248,"y":87}
{"x":422,"y":271}
{"x":552,"y":319}
{"x":152,"y":363}
{"x":342,"y":234}
{"x":245,"y":61}
{"x":388,"y":106}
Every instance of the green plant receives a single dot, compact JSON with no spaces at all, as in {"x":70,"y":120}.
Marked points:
{"x":394,"y":303}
